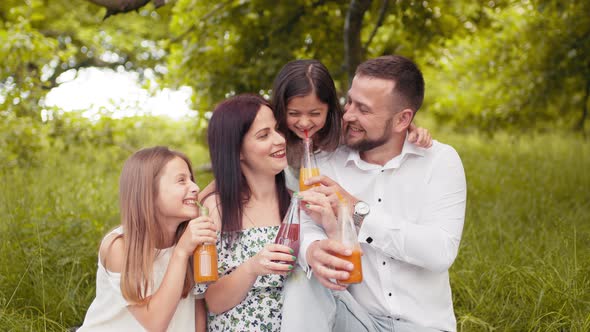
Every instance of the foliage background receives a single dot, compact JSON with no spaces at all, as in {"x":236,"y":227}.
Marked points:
{"x":508,"y":84}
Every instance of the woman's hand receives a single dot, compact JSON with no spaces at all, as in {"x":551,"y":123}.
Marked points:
{"x":333,"y":191}
{"x":198,"y":231}
{"x":321,"y":204}
{"x":266,"y":260}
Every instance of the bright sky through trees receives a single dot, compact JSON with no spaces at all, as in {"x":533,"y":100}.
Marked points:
{"x":99,"y":91}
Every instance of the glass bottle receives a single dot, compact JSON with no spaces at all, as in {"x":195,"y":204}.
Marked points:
{"x":348,"y":237}
{"x":205,"y":258}
{"x":309,"y":167}
{"x":289,"y":231}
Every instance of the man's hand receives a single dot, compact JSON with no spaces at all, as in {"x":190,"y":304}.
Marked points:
{"x":325,"y":265}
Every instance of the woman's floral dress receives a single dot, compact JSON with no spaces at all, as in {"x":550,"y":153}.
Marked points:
{"x":261,"y":309}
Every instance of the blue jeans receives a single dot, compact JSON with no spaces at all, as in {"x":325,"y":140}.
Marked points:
{"x":309,"y":306}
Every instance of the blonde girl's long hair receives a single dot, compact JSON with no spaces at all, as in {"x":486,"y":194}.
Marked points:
{"x":142,"y":234}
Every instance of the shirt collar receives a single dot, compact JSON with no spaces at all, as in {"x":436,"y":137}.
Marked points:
{"x":395,"y":162}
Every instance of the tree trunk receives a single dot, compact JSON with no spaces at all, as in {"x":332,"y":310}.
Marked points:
{"x":580,"y":125}
{"x":123,"y":6}
{"x":353,"y":50}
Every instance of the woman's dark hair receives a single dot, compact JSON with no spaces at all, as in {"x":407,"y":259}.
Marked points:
{"x":229,"y":123}
{"x":300,"y":78}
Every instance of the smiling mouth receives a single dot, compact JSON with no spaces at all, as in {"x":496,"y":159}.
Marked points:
{"x":355,"y":129}
{"x":190,"y":202}
{"x":278,"y":154}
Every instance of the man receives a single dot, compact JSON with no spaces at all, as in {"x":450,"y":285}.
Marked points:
{"x":409,"y":208}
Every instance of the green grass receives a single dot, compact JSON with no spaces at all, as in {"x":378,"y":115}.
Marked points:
{"x":524,"y":262}
{"x":52,"y":220}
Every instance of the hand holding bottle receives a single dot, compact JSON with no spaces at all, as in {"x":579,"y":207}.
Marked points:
{"x":333,"y":191}
{"x":349,"y":238}
{"x":205,"y":255}
{"x":271,"y":260}
{"x":324,"y":259}
{"x":318,"y":206}
{"x":198,"y":231}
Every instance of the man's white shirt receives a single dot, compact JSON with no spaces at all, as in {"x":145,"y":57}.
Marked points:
{"x":410,"y":237}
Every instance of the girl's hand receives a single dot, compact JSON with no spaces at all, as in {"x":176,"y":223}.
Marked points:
{"x":419,"y":136}
{"x":266,"y":261}
{"x":198,"y":231}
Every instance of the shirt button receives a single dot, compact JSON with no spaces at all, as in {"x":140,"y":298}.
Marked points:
{"x":382,"y":170}
{"x":369,"y":239}
{"x":379,"y":200}
{"x":389,"y":294}
{"x":383,"y":263}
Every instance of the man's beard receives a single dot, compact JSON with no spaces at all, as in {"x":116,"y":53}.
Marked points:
{"x":368,"y":144}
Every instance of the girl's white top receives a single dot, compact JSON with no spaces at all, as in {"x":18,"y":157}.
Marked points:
{"x":108,"y":311}
{"x":292,"y":178}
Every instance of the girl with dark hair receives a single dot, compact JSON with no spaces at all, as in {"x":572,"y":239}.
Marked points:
{"x":248,"y":202}
{"x":305,"y":102}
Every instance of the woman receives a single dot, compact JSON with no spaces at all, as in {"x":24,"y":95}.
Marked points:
{"x":250,"y":199}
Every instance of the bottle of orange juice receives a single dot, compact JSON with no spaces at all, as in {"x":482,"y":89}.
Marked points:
{"x":205,"y":258}
{"x":309,"y":167}
{"x":349,"y":237}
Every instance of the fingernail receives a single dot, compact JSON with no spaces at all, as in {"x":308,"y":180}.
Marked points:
{"x":307,"y":206}
{"x":291,"y":251}
{"x":294,"y":258}
{"x":349,"y":266}
{"x":290,"y":267}
{"x":296,"y":194}
{"x":348,"y":252}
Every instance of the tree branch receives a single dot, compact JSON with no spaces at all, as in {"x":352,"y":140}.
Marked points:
{"x":382,"y":12}
{"x":205,"y":17}
{"x":295,"y":18}
{"x":353,"y":51}
{"x":115,"y":7}
{"x":580,"y":125}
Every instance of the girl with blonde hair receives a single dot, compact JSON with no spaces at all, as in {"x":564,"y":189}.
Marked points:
{"x":144,"y":276}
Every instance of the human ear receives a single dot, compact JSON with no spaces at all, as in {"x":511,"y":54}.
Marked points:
{"x":404,"y":119}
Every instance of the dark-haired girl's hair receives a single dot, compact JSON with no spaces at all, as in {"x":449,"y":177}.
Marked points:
{"x":297,"y":79}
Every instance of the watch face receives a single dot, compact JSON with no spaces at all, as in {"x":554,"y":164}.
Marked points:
{"x":361,"y":208}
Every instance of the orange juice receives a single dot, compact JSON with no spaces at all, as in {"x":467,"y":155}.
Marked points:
{"x":205,"y":261}
{"x":306,"y":173}
{"x":205,"y":258}
{"x":356,"y":275}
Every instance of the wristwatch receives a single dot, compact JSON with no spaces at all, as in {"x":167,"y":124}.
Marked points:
{"x":361,"y":210}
